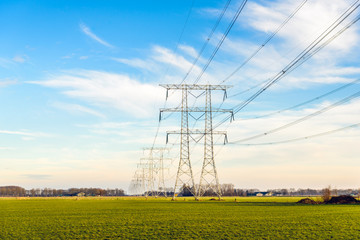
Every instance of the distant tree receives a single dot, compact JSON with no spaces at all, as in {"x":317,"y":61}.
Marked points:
{"x":326,"y":194}
{"x":227,"y":189}
{"x":185,"y":191}
{"x":284,"y":192}
{"x":33,"y":192}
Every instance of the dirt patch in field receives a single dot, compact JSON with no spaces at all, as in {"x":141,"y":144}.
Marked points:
{"x":307,"y":201}
{"x":343,"y":199}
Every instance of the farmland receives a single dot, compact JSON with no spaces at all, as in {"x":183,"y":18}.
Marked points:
{"x":111,"y":218}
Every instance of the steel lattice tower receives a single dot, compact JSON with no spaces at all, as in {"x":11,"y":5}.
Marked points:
{"x":153,"y":171}
{"x":184,"y":176}
{"x":208,"y":172}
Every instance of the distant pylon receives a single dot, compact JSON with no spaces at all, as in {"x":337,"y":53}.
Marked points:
{"x":153,"y":171}
{"x":184,"y":177}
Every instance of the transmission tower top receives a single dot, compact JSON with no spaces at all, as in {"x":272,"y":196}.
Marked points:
{"x":186,"y":87}
{"x":195,"y":87}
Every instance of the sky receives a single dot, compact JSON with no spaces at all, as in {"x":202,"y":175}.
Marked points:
{"x":80,"y":94}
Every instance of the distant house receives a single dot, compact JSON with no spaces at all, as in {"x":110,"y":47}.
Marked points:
{"x":81,"y":194}
{"x":269,"y":194}
{"x":263,"y":194}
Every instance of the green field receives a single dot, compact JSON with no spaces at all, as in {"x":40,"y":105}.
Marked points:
{"x":137,"y":218}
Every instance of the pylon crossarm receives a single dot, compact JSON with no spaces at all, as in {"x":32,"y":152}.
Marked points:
{"x":195,"y":87}
{"x":195,"y":109}
{"x":196,"y":131}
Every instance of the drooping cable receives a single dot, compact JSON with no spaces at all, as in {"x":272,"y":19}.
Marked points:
{"x":176,"y":49}
{"x":336,"y":104}
{"x":306,"y":102}
{"x":303,"y":56}
{"x":239,"y":10}
{"x":207,"y":40}
{"x":300,"y":138}
{"x":265,"y":42}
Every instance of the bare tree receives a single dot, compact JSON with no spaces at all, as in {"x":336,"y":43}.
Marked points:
{"x":326,"y":194}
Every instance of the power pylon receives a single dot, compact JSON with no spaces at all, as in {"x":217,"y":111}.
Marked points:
{"x":209,"y":175}
{"x":152,"y":166}
{"x":138,"y":183}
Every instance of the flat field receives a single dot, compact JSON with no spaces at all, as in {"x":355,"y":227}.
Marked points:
{"x":137,"y":218}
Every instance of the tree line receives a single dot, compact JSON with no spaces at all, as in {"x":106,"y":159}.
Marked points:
{"x":226,"y":190}
{"x":229,"y":190}
{"x":16,"y":191}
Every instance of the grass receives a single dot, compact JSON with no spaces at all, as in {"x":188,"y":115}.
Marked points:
{"x":138,"y":218}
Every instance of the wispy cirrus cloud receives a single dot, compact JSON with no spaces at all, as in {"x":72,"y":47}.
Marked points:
{"x":308,"y":23}
{"x":87,"y":31}
{"x":139,"y":63}
{"x":37,"y":176}
{"x":6,"y":148}
{"x":6,"y":82}
{"x":20,"y":58}
{"x":24,"y":133}
{"x":76,"y":108}
{"x":6,"y":63}
{"x":107,"y":89}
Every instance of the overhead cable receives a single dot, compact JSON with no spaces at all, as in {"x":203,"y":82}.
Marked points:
{"x":207,"y":40}
{"x":239,"y":10}
{"x":306,"y":102}
{"x":266,"y":41}
{"x":344,"y":100}
{"x":303,"y":56}
{"x":300,"y":138}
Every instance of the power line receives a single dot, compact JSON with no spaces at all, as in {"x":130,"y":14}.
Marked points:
{"x":207,"y":40}
{"x":176,"y":49}
{"x":248,"y":89}
{"x":301,"y":138}
{"x":239,"y":10}
{"x":344,"y":100}
{"x":265,"y":42}
{"x":204,"y":45}
{"x":303,"y":56}
{"x":185,"y":24}
{"x":306,"y":102}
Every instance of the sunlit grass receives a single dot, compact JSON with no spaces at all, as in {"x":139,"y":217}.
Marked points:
{"x":185,"y":218}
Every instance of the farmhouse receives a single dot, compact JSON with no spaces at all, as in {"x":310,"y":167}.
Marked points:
{"x":263,"y":194}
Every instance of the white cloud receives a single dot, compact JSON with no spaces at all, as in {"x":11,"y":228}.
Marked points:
{"x":6,"y":148}
{"x":139,"y":63}
{"x":314,"y":17}
{"x":25,"y":133}
{"x":6,"y":82}
{"x":110,"y":125}
{"x":20,"y":58}
{"x":68,"y":56}
{"x":213,"y":12}
{"x":327,"y":66}
{"x":166,"y":65}
{"x":5,"y":63}
{"x":108,"y":89}
{"x":85,"y":29}
{"x":189,"y":50}
{"x":76,"y":108}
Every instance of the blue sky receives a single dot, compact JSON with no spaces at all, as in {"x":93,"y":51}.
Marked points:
{"x":79,"y":90}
